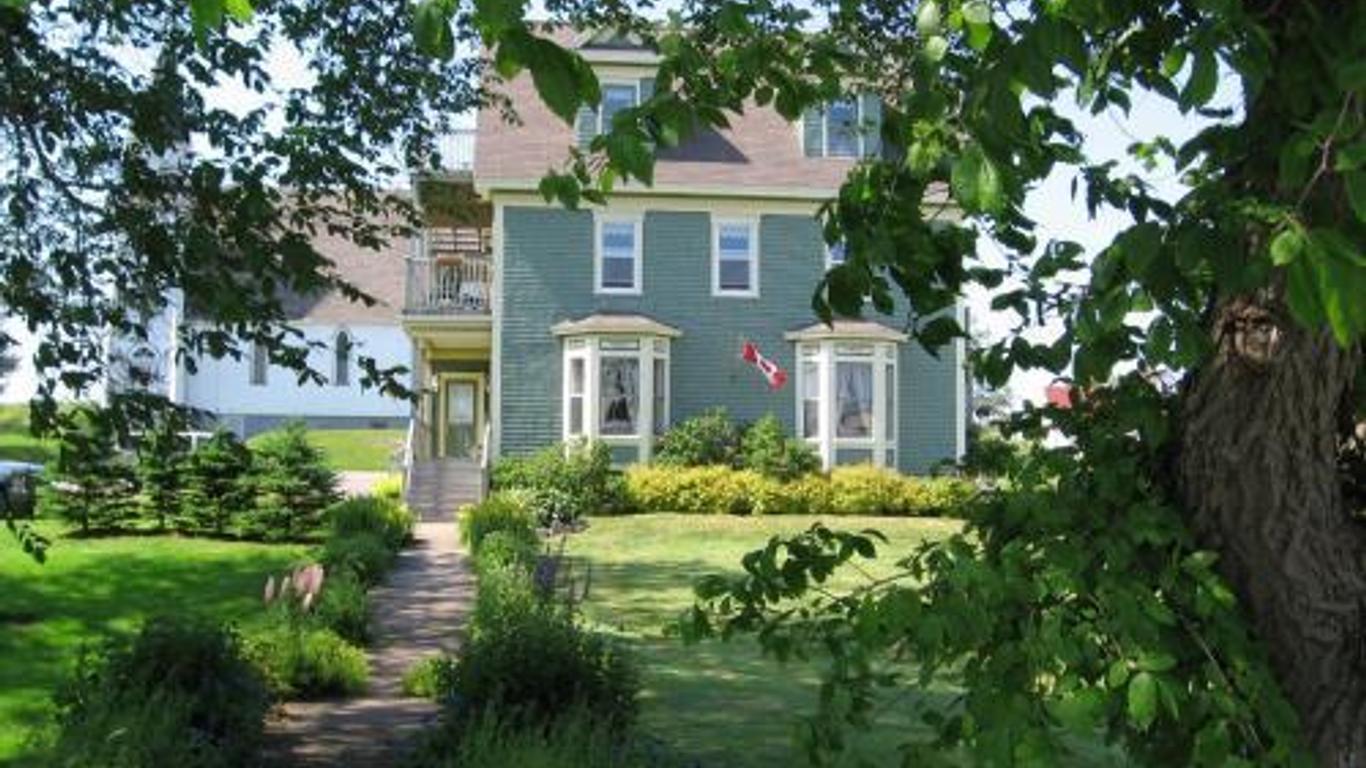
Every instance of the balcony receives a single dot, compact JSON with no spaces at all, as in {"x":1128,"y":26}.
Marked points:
{"x":456,"y":150}
{"x":452,"y":273}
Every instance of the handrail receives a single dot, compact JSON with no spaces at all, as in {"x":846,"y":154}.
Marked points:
{"x":485,"y":459}
{"x":408,"y":456}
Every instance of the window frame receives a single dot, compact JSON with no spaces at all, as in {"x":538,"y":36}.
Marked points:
{"x":830,"y":262}
{"x":602,"y":125}
{"x":825,"y":355}
{"x":592,"y":349}
{"x":341,"y":366}
{"x":859,"y":146}
{"x":637,"y":254}
{"x":258,"y":367}
{"x":752,"y":225}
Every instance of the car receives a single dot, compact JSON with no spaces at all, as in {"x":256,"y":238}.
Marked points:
{"x":18,"y":481}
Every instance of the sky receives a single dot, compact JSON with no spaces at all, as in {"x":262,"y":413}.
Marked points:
{"x":1107,"y":136}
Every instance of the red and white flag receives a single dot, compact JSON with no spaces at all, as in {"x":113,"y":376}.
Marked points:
{"x":776,"y":376}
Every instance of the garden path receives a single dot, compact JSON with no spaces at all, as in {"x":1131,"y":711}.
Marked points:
{"x":418,"y":612}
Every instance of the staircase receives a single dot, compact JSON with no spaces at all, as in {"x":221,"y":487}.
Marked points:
{"x":438,"y":487}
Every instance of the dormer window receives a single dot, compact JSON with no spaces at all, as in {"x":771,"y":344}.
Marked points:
{"x":616,"y":97}
{"x":847,"y":127}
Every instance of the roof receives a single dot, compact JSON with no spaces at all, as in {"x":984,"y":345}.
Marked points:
{"x":760,"y":153}
{"x":862,"y":330}
{"x":638,"y":325}
{"x":379,"y":273}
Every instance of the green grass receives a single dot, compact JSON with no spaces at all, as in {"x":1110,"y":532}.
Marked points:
{"x":16,"y":444}
{"x":92,"y":587}
{"x":721,"y":702}
{"x":361,"y":450}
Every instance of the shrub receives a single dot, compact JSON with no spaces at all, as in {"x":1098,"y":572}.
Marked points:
{"x":425,"y":679}
{"x":181,"y":693}
{"x":514,"y":547}
{"x":364,"y":556}
{"x":706,"y":440}
{"x":386,"y":518}
{"x":527,"y":658}
{"x":299,"y":660}
{"x":344,"y":608}
{"x":563,"y":482}
{"x":702,"y":490}
{"x":766,"y":448}
{"x":89,"y":484}
{"x":943,"y":496}
{"x":576,"y":740}
{"x":217,"y":485}
{"x":292,"y":482}
{"x":863,"y":489}
{"x":161,"y":470}
{"x":389,"y":487}
{"x":504,"y":511}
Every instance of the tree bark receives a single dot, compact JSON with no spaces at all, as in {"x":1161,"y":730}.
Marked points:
{"x":1258,"y":475}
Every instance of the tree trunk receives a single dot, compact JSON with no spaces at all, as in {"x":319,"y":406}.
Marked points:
{"x":1258,"y":474}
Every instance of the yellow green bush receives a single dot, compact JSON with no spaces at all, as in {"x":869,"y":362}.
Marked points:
{"x":848,"y":490}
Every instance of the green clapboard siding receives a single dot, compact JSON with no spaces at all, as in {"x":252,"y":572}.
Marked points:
{"x":548,"y":275}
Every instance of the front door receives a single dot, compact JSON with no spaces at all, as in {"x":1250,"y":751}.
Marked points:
{"x":460,"y":417}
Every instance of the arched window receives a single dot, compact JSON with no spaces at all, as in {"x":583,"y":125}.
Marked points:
{"x":341,"y":364}
{"x":260,"y":361}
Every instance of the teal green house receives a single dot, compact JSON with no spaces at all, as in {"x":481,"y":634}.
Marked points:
{"x":531,"y":324}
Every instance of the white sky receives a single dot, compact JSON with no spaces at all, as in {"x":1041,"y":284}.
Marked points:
{"x":1051,"y":204}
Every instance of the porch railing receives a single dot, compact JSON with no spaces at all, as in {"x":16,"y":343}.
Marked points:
{"x":452,"y":273}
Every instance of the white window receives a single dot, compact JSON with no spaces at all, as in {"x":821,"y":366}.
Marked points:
{"x":617,"y":266}
{"x":260,"y":362}
{"x":835,"y":255}
{"x":848,"y":399}
{"x":341,"y":363}
{"x":577,"y":387}
{"x":616,"y":97}
{"x":616,"y":389}
{"x":842,"y":135}
{"x":735,"y":258}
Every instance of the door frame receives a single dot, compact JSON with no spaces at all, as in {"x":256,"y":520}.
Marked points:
{"x":441,"y":404}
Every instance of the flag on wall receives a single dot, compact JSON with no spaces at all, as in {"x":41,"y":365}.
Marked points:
{"x":776,"y":376}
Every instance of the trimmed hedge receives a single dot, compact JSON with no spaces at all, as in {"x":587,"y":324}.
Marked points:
{"x":503,"y":511}
{"x":849,"y":490}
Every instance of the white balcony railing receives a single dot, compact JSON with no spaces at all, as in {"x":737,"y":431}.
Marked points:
{"x":452,"y":274}
{"x":456,"y":150}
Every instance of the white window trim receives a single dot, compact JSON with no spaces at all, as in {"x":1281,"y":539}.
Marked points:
{"x":590,"y":349}
{"x":621,"y":83}
{"x":264,"y":379}
{"x":858,"y":129}
{"x":350,"y":357}
{"x":827,"y":442}
{"x":753,"y":225}
{"x":637,"y":255}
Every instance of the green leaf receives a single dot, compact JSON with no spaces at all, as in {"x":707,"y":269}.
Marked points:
{"x":928,"y":18}
{"x":975,"y":182}
{"x":1173,"y":61}
{"x":1356,"y":192}
{"x":432,"y":30}
{"x":239,"y":10}
{"x":1204,"y":79}
{"x":1351,"y":76}
{"x":206,"y":15}
{"x":1142,"y":700}
{"x":1287,"y":246}
{"x":1081,"y":710}
{"x":1350,"y":157}
{"x":936,"y":47}
{"x":976,"y":12}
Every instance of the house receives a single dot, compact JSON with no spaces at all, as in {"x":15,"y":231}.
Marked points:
{"x":532,"y":323}
{"x":250,"y":395}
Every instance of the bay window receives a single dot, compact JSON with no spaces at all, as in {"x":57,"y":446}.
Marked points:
{"x":616,"y":380}
{"x":847,"y":391}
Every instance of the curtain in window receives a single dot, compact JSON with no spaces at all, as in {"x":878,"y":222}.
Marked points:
{"x":854,"y":387}
{"x":661,"y":393}
{"x":811,"y":400}
{"x":620,"y":398}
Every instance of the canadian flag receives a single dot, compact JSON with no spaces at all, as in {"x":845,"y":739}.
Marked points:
{"x":776,"y":376}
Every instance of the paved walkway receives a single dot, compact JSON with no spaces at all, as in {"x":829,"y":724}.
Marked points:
{"x":418,"y":612}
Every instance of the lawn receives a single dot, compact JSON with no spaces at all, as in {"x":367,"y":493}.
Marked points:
{"x":722,"y":703}
{"x":16,"y":444}
{"x":368,"y":450}
{"x":91,"y":587}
